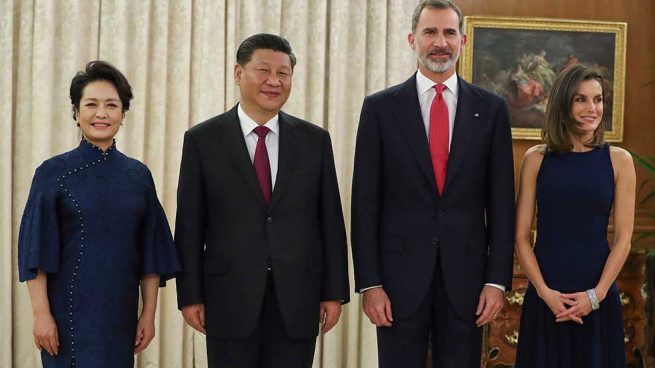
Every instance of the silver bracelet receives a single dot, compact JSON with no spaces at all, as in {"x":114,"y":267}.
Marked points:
{"x":591,"y":293}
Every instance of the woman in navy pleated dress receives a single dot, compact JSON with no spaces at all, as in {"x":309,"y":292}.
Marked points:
{"x":93,"y":231}
{"x":571,"y":313}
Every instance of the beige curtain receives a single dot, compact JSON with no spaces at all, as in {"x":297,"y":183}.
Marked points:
{"x":179,"y":58}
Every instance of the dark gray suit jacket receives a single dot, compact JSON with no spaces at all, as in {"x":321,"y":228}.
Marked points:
{"x":227,"y":236}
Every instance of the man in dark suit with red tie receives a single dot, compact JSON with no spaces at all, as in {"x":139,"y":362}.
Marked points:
{"x":259,"y":226}
{"x":433,"y":204}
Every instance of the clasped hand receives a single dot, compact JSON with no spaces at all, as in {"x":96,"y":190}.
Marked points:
{"x":567,"y":307}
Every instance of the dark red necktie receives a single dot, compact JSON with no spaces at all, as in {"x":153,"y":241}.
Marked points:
{"x":261,"y":163}
{"x":439,"y":133}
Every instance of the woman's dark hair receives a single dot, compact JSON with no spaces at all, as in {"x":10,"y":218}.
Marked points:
{"x":559,"y":125}
{"x":96,"y":71}
{"x":263,"y":41}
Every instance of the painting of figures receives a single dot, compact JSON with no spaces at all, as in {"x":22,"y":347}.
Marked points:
{"x":519,"y":59}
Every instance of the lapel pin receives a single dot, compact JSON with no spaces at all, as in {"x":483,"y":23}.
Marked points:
{"x":476,"y":115}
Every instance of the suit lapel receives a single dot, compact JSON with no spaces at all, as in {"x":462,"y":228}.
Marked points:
{"x":467,"y":117}
{"x":238,"y":152}
{"x":410,"y":122}
{"x":287,"y":157}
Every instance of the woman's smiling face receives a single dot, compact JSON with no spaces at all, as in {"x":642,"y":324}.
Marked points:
{"x":100,"y":113}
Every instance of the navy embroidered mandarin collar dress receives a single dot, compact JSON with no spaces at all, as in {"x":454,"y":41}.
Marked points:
{"x":94,"y":224}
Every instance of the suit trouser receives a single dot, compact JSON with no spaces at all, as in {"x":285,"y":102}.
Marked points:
{"x":455,"y":342}
{"x":268,"y":347}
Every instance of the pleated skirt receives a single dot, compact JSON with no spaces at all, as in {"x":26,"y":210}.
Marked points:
{"x":544,"y":343}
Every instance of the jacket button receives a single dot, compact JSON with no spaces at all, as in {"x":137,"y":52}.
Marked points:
{"x":435,"y":242}
{"x":269,"y":220}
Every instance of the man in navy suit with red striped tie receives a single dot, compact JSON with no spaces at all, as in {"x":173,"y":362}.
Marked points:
{"x":433,"y":204}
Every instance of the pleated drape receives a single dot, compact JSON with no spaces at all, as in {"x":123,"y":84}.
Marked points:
{"x":179,"y":57}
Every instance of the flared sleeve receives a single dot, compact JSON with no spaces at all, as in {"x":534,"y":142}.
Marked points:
{"x":159,"y":255}
{"x":38,"y":238}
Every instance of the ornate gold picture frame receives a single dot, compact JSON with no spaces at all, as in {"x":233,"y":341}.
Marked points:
{"x":519,"y":58}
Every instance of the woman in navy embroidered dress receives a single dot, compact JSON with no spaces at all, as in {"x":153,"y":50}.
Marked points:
{"x":93,"y":231}
{"x":571,"y":313}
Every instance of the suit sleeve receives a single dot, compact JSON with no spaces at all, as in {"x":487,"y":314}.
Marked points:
{"x":500,"y":203}
{"x":190,"y":226}
{"x":333,"y":233}
{"x":366,"y":198}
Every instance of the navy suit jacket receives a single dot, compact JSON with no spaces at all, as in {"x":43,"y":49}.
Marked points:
{"x":401,"y":226}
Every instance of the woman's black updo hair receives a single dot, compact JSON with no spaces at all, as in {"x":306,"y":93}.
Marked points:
{"x":95,"y":71}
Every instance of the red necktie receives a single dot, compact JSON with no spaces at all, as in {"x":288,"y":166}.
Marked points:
{"x":439,"y":132}
{"x":261,"y":163}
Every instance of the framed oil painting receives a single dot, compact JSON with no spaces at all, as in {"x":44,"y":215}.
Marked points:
{"x":519,"y":58}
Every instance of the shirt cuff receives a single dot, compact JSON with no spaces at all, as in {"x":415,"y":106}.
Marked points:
{"x":369,"y":288}
{"x":501,"y":287}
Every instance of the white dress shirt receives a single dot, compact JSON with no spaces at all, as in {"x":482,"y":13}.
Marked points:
{"x":426,"y":93}
{"x":272,"y":139}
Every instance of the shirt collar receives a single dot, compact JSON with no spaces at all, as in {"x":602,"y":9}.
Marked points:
{"x":424,"y":84}
{"x":247,"y":124}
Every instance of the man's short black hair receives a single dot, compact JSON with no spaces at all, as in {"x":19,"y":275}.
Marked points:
{"x":263,"y":41}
